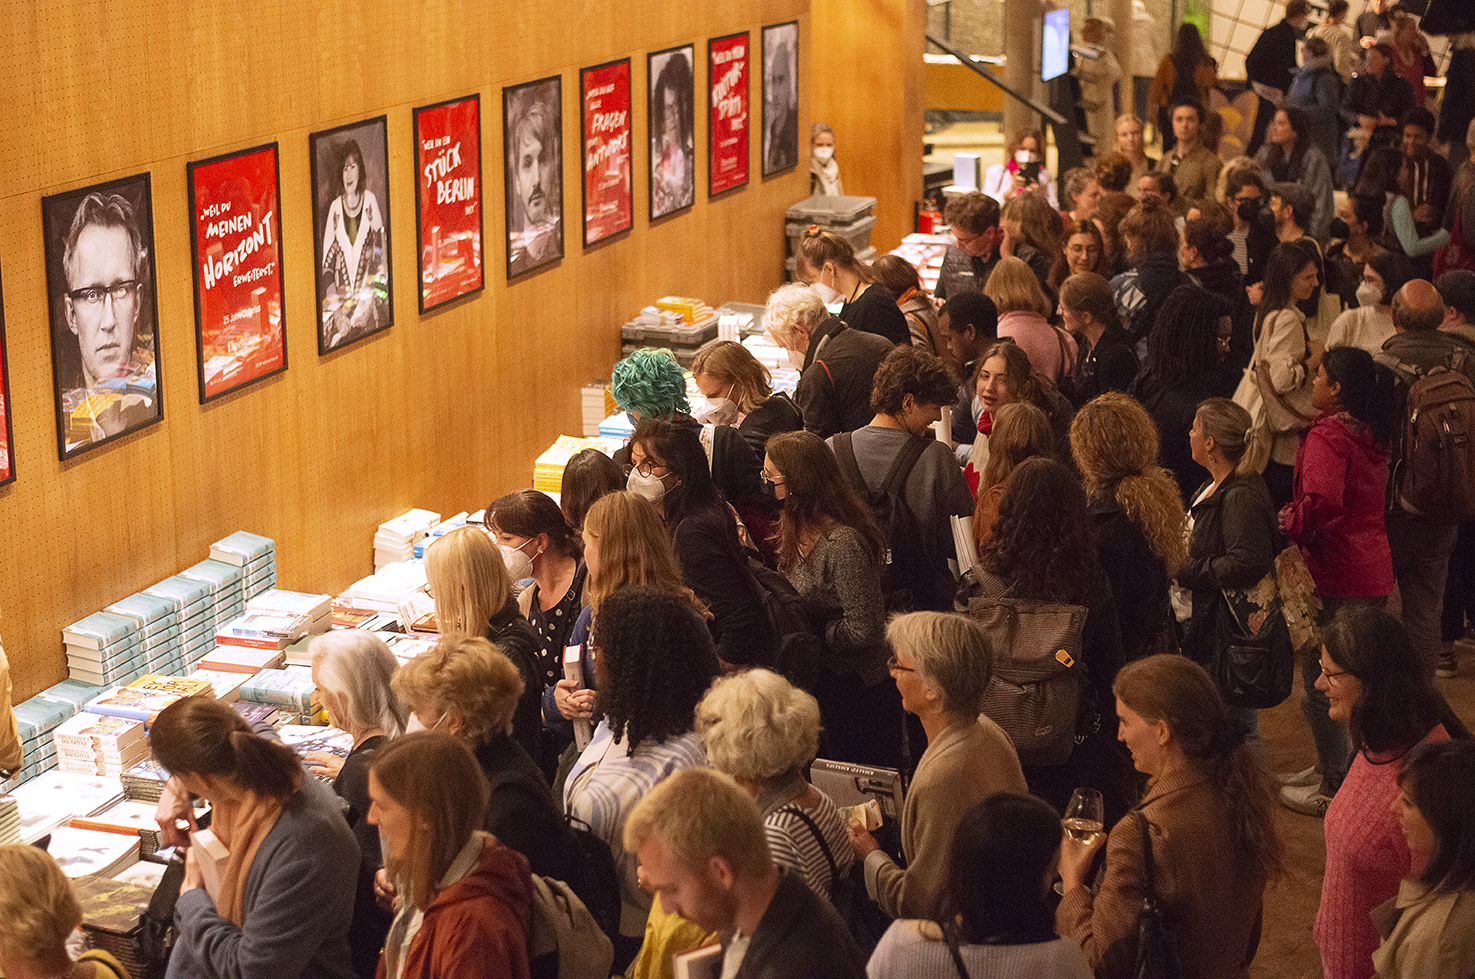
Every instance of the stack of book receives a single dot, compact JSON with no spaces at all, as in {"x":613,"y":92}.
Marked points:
{"x":191,"y":598}
{"x":104,"y":649}
{"x":94,"y":744}
{"x":129,"y":817}
{"x":255,"y":555}
{"x":314,"y":611}
{"x":9,"y":820}
{"x":385,"y":589}
{"x":406,"y":648}
{"x":440,"y":530}
{"x":347,"y":617}
{"x":37,"y":718}
{"x":51,"y":798}
{"x":290,"y":689}
{"x":144,"y":698}
{"x":111,"y":913}
{"x":548,"y":470}
{"x":254,"y":714}
{"x":395,"y":539}
{"x":226,"y":685}
{"x":227,"y":598}
{"x":617,"y":426}
{"x":144,"y":782}
{"x":158,"y":630}
{"x":246,"y":660}
{"x":597,"y":404}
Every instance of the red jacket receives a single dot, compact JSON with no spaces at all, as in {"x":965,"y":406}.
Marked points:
{"x":478,"y":926}
{"x":1336,"y":515}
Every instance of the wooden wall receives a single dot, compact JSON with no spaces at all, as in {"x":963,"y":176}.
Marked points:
{"x":443,"y":411}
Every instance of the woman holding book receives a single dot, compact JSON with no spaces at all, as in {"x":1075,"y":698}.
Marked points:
{"x":468,"y":578}
{"x":352,"y":670}
{"x":467,"y":898}
{"x":282,"y":872}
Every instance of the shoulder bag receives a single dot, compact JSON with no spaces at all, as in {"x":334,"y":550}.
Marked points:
{"x":1157,"y":936}
{"x":1256,"y":661}
{"x":1291,"y":411}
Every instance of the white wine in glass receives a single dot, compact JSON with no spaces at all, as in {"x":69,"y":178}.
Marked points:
{"x":1084,"y":817}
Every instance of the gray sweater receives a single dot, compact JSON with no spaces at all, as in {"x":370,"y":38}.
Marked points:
{"x":298,"y":902}
{"x":841,"y":583}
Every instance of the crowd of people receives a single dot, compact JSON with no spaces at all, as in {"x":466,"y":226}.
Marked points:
{"x":1140,"y":395}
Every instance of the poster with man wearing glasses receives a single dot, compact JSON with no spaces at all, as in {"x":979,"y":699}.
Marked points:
{"x":99,"y":278}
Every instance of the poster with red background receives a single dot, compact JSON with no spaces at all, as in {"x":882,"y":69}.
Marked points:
{"x":236,"y":241}
{"x":448,"y":200}
{"x":605,"y":91}
{"x":7,"y":465}
{"x":727,"y":136}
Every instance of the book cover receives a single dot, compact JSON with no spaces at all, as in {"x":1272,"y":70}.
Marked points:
{"x":184,"y":591}
{"x":241,"y":659}
{"x":81,"y":852}
{"x":306,"y":604}
{"x":698,"y":963}
{"x":291,"y":687}
{"x":100,"y":630}
{"x":241,"y":548}
{"x":143,"y":608}
{"x":98,"y":732}
{"x":219,"y":575}
{"x":145,"y":702}
{"x":74,"y":692}
{"x":211,"y":856}
{"x":226,"y":686}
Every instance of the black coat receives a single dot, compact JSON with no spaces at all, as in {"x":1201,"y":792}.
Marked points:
{"x":875,"y":311}
{"x":1233,"y":546}
{"x":1110,"y":365}
{"x":1273,"y":58}
{"x":800,"y":936}
{"x":1139,"y":582}
{"x":519,"y":642}
{"x":834,"y":392}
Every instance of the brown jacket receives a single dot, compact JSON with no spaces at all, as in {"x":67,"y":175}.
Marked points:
{"x":1215,"y":905}
{"x":1196,"y":176}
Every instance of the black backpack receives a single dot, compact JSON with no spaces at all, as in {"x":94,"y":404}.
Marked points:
{"x":797,"y":647}
{"x":914,"y":578}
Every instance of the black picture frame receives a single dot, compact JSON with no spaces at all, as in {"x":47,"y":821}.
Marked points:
{"x":369,"y":280}
{"x":673,"y":185}
{"x":776,"y":39}
{"x":534,"y":224}
{"x":268,"y":245}
{"x":121,"y":391}
{"x":7,"y":456}
{"x":479,"y":245}
{"x":592,"y":234}
{"x":714,"y":160}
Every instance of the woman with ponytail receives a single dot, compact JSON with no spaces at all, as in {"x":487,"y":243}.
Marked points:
{"x":1138,"y":515}
{"x":1232,"y":538}
{"x":1210,"y":816}
{"x":280,"y":902}
{"x":1336,"y":516}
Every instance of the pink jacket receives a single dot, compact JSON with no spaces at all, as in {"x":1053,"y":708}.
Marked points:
{"x":1041,"y":341}
{"x":1336,"y":515}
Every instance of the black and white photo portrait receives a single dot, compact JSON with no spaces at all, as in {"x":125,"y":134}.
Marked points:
{"x":532,"y":138}
{"x":672,"y":118}
{"x":780,"y":97}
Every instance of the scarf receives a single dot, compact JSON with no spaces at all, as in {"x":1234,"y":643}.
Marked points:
{"x":828,"y":175}
{"x":241,"y":826}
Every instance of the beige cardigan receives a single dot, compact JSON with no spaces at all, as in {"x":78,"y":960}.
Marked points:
{"x":965,"y":765}
{"x":1426,"y":934}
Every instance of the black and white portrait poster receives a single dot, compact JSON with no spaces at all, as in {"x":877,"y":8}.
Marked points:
{"x":780,"y":97}
{"x":350,"y":212}
{"x":672,"y":118}
{"x":100,"y":285}
{"x":532,"y":140}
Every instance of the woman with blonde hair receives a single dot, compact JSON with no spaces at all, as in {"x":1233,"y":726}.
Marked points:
{"x":466,"y":575}
{"x":764,"y":731}
{"x":1020,"y":431}
{"x":1209,"y":814}
{"x":40,"y":911}
{"x":739,"y":391}
{"x":828,"y":263}
{"x":1023,"y":308}
{"x":1139,"y":517}
{"x":467,"y":897}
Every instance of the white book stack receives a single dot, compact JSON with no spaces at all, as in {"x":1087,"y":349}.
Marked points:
{"x":226,"y":594}
{"x":395,"y":539}
{"x":82,"y":852}
{"x":406,"y":648}
{"x":595,"y":406}
{"x":103,"y":649}
{"x":95,"y":744}
{"x":191,"y":598}
{"x":255,"y":555}
{"x":440,"y":530}
{"x":53,"y":797}
{"x":158,"y":630}
{"x":385,"y":589}
{"x":9,"y":820}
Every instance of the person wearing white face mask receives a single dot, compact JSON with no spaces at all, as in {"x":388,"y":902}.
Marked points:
{"x":727,"y":371}
{"x":1369,"y":324}
{"x":824,"y":172}
{"x":1023,"y":170}
{"x":828,"y":263}
{"x":469,"y":581}
{"x":836,"y":363}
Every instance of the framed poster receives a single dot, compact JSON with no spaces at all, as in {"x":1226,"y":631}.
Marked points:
{"x":604,"y":93}
{"x":448,"y":200}
{"x":727,"y":101}
{"x":7,"y":453}
{"x":780,"y":97}
{"x":672,"y":119}
{"x":532,"y":134}
{"x":100,"y":290}
{"x":350,"y":215}
{"x":236,"y":243}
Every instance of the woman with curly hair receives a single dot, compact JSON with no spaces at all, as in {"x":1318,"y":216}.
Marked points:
{"x":1044,"y":550}
{"x":1138,"y":514}
{"x":832,"y":551}
{"x":653,"y":659}
{"x":1020,"y":431}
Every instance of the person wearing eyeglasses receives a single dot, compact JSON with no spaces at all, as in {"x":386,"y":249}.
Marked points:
{"x":104,"y":262}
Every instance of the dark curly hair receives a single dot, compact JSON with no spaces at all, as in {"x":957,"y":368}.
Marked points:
{"x":1183,"y":343}
{"x":1043,"y":542}
{"x":654,"y":660}
{"x":912,"y":370}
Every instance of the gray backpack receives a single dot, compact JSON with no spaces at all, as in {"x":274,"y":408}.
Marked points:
{"x":564,"y":941}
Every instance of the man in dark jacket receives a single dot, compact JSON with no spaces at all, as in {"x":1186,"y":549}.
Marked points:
{"x":1376,"y":99}
{"x":974,"y":219}
{"x":1270,"y":63}
{"x":836,"y":364}
{"x":969,"y":325}
{"x":1431,"y":173}
{"x":702,"y":848}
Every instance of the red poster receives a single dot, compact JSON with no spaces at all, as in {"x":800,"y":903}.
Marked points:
{"x":236,"y":234}
{"x":448,"y":199}
{"x":727,"y":137}
{"x":7,"y":466}
{"x":605,"y":90}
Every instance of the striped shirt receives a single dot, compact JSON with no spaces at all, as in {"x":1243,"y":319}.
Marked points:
{"x":794,"y":845}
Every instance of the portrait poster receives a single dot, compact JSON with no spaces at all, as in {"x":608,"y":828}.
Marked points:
{"x":236,"y":244}
{"x":448,"y":200}
{"x":532,"y":136}
{"x":780,"y":97}
{"x":604,"y":93}
{"x":350,"y":219}
{"x":727,"y":132}
{"x":672,"y":120}
{"x":7,"y":453}
{"x":100,"y":291}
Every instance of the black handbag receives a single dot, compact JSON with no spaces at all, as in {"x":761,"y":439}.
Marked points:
{"x":1157,"y":937}
{"x":1255,"y":668}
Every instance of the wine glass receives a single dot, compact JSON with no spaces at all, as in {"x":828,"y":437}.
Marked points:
{"x":1084,"y":816}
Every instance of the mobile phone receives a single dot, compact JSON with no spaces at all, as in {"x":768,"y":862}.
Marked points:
{"x":1031,"y":172}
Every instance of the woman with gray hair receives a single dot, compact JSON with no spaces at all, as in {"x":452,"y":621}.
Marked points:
{"x":763,"y":731}
{"x":836,"y":364}
{"x":942,"y":664}
{"x":352,"y":669}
